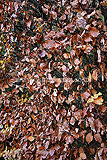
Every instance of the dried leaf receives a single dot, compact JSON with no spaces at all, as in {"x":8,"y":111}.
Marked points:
{"x":94,"y":32}
{"x":87,"y":38}
{"x":98,"y":101}
{"x":83,"y":155}
{"x":85,"y":95}
{"x":81,"y":22}
{"x":89,"y":78}
{"x":95,"y":75}
{"x":77,"y":61}
{"x":57,"y":81}
{"x":31,"y":138}
{"x":49,"y":44}
{"x":81,"y":150}
{"x":66,"y":55}
{"x":99,"y":55}
{"x":51,"y":151}
{"x":89,"y":137}
{"x":98,"y":137}
{"x":72,"y":121}
{"x":28,"y":23}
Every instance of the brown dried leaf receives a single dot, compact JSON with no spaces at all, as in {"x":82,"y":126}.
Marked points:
{"x":72,"y":121}
{"x":95,"y":75}
{"x":85,"y":95}
{"x":53,"y":14}
{"x":89,"y":137}
{"x":28,"y":23}
{"x":76,"y":61}
{"x":98,"y":138}
{"x":57,"y":81}
{"x":99,"y":100}
{"x":83,"y":155}
{"x":49,"y":44}
{"x":87,"y":49}
{"x":66,"y":55}
{"x":51,"y":151}
{"x":87,"y":38}
{"x":81,"y":150}
{"x":99,"y":55}
{"x":94,"y":32}
{"x":81,"y":22}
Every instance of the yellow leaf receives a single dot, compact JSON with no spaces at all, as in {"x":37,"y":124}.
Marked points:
{"x":105,"y":3}
{"x":99,"y":94}
{"x":8,"y":59}
{"x":90,"y":100}
{"x":30,"y":138}
{"x":89,"y":78}
{"x":25,"y":100}
{"x":1,"y":62}
{"x":96,"y":95}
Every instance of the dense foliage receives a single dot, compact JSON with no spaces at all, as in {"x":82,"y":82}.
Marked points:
{"x":53,"y":79}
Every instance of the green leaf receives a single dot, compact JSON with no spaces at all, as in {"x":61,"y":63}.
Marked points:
{"x":68,"y":49}
{"x":102,"y":17}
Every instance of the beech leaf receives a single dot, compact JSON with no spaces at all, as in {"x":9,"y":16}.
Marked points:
{"x":89,"y":137}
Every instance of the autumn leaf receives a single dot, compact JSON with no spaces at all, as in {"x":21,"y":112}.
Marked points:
{"x":85,"y":95}
{"x":98,"y":101}
{"x":66,"y":55}
{"x":52,"y":79}
{"x":31,"y":138}
{"x":82,"y":155}
{"x":89,"y":137}
{"x":89,"y":78}
{"x":49,"y":44}
{"x":95,"y":75}
{"x":28,"y":23}
{"x":98,"y":137}
{"x":94,"y":32}
{"x":51,"y":151}
{"x":87,"y":37}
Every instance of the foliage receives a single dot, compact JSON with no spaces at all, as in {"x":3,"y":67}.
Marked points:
{"x":52,"y":80}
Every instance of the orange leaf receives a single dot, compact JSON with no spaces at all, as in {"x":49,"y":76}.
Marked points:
{"x":99,"y":100}
{"x":57,"y":81}
{"x":95,"y":75}
{"x":89,"y":137}
{"x":66,"y":55}
{"x":30,"y":138}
